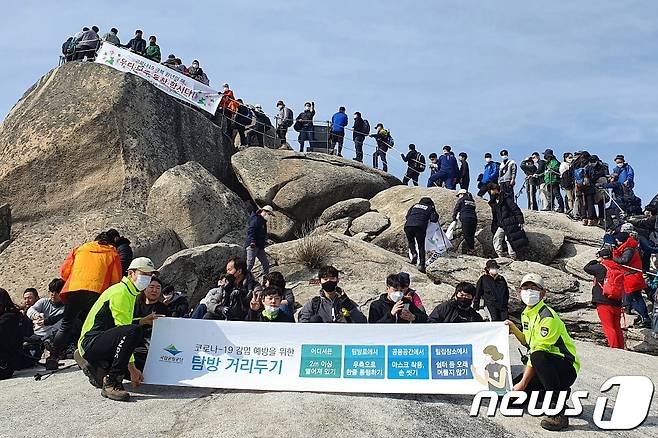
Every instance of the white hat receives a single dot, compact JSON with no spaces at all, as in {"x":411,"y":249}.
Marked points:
{"x":269,"y":209}
{"x":533,"y":278}
{"x":461,"y":192}
{"x":143,"y":264}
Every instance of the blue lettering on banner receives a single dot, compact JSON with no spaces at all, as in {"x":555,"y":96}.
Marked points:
{"x":321,"y":361}
{"x":364,"y":362}
{"x":452,"y":361}
{"x":408,"y":362}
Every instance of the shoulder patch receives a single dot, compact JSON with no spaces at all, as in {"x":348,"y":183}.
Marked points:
{"x":544,"y":331}
{"x":545,"y":312}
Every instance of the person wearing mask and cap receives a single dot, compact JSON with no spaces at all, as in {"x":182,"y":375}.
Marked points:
{"x":494,"y":289}
{"x":465,"y":211}
{"x":109,"y":337}
{"x":529,"y":167}
{"x":337,"y":135}
{"x":489,"y":174}
{"x":447,"y":172}
{"x":283,"y":121}
{"x":507,"y":173}
{"x":393,"y":307}
{"x":552,"y":362}
{"x":197,"y":73}
{"x":360,"y":130}
{"x":464,"y":172}
{"x":627,"y":254}
{"x":457,"y":309}
{"x":507,"y":223}
{"x":257,"y":237}
{"x":137,"y":44}
{"x":626,"y":174}
{"x":552,"y":181}
{"x":567,"y":181}
{"x":415,"y":165}
{"x":153,"y":50}
{"x":384,"y":143}
{"x":332,"y":303}
{"x":415,"y":228}
{"x":263,"y":124}
{"x":305,"y":123}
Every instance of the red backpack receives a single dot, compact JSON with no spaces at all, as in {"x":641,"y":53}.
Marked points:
{"x":613,"y":286}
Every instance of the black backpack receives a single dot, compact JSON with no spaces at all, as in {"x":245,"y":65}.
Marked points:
{"x":419,"y":162}
{"x":289,"y":116}
{"x":568,"y":181}
{"x":366,"y":127}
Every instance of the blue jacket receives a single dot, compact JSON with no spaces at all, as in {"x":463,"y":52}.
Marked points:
{"x":626,"y":173}
{"x":257,"y":232}
{"x":338,"y":123}
{"x":448,"y":166}
{"x":490,"y":173}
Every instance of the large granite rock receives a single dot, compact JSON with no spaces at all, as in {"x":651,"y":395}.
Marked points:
{"x":34,"y":257}
{"x":370,"y":223}
{"x":86,"y":136}
{"x":197,"y":206}
{"x":196,"y":270}
{"x":302,"y":186}
{"x":351,"y":208}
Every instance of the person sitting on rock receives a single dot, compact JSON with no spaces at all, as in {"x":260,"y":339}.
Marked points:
{"x":332,"y":304}
{"x":47,"y":313}
{"x":405,"y":283}
{"x":552,"y":361}
{"x":459,"y":308}
{"x":257,"y":238}
{"x":265,"y":306}
{"x":214,"y":297}
{"x":30,"y":297}
{"x":494,"y":289}
{"x":197,"y":73}
{"x":109,"y":337}
{"x":276,"y":279}
{"x":148,"y":302}
{"x":232,"y":300}
{"x":176,"y":302}
{"x":393,"y":307}
{"x":415,"y":228}
{"x":153,"y":50}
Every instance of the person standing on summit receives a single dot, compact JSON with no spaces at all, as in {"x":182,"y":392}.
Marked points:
{"x":507,"y":173}
{"x":283,"y":121}
{"x":338,"y":124}
{"x":360,"y":130}
{"x":305,"y":124}
{"x":137,"y":44}
{"x":415,"y":165}
{"x":464,"y":172}
{"x":448,"y":170}
{"x":489,"y":175}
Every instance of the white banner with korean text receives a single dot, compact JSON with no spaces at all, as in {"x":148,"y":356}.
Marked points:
{"x":365,"y":358}
{"x":166,"y":79}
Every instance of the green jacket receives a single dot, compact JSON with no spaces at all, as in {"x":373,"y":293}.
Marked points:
{"x":544,"y":331}
{"x":552,"y":172}
{"x":153,"y":52}
{"x":113,"y":308}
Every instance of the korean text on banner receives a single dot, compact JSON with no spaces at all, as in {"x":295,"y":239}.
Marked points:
{"x":373,"y":358}
{"x":166,"y":79}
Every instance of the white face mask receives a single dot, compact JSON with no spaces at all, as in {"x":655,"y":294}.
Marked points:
{"x":266,"y":217}
{"x":504,"y":157}
{"x":280,"y":107}
{"x":620,"y":164}
{"x":569,"y":160}
{"x":397,"y":296}
{"x":530,"y":297}
{"x":308,"y":108}
{"x":488,"y":160}
{"x":493,"y":271}
{"x":271,"y":309}
{"x":142,"y":282}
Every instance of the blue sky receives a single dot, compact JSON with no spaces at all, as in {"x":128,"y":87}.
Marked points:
{"x":480,"y":76}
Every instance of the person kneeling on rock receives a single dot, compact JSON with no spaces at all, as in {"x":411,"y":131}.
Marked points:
{"x":394,"y":306}
{"x":552,"y":363}
{"x":109,"y":337}
{"x":265,"y":306}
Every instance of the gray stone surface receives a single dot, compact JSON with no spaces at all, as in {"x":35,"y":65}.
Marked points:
{"x":198,"y":206}
{"x":351,"y":208}
{"x":370,"y":223}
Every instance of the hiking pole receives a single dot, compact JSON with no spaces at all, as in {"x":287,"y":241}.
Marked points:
{"x":39,"y":377}
{"x":523,"y":186}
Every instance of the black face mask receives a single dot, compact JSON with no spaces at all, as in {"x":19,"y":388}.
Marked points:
{"x":330,"y":286}
{"x":230,"y":281}
{"x":464,"y":303}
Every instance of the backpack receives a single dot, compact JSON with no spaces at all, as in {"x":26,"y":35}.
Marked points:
{"x":366,"y":127}
{"x":297,"y":126}
{"x":288,"y":120}
{"x":65,"y":46}
{"x":613,"y":286}
{"x":419,"y":163}
{"x":567,"y":181}
{"x":579,"y":176}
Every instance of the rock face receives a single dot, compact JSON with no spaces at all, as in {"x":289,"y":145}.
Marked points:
{"x":196,"y":270}
{"x":370,"y":223}
{"x":86,"y":136}
{"x":5,"y":222}
{"x":351,"y":208}
{"x":34,"y":257}
{"x":197,"y":206}
{"x":302,"y":186}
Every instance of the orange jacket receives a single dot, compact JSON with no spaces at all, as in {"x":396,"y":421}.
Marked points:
{"x":91,"y":267}
{"x":228,"y":101}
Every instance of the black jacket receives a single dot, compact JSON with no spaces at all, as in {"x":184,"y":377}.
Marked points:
{"x":243,"y":116}
{"x":465,"y":208}
{"x":450,"y":312}
{"x":599,"y":272}
{"x":263,"y":123}
{"x":529,"y":168}
{"x":508,"y":216}
{"x":359,"y":127}
{"x":421,"y":214}
{"x":11,"y":343}
{"x":258,"y":316}
{"x":142,"y":309}
{"x":137,"y":45}
{"x":464,"y":175}
{"x":380,"y":312}
{"x":495,"y":292}
{"x":306,"y":119}
{"x":178,"y":307}
{"x":414,"y":160}
{"x":125,"y":253}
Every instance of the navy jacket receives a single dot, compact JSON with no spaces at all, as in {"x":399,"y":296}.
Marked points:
{"x":257,"y":232}
{"x":465,"y":207}
{"x":420,"y":215}
{"x":448,"y":166}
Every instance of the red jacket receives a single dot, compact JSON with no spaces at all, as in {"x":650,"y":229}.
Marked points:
{"x":628,"y":255}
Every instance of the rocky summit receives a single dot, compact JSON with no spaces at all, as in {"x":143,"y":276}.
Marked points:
{"x":88,"y":148}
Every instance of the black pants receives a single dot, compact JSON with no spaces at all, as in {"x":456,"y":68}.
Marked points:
{"x":554,"y":194}
{"x":115,"y":346}
{"x":590,"y":210}
{"x":532,"y":196}
{"x":337,"y":137}
{"x":77,"y":306}
{"x":496,"y":313}
{"x":416,"y":236}
{"x":469,"y":226}
{"x":411,"y":175}
{"x":506,"y":187}
{"x":380,"y":153}
{"x":281,"y":132}
{"x":241,"y":133}
{"x":358,"y":145}
{"x":483,"y":190}
{"x":552,"y":373}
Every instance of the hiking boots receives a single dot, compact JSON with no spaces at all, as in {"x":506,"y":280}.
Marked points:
{"x":113,"y":389}
{"x":555,"y":423}
{"x":94,"y":374}
{"x":414,"y":260}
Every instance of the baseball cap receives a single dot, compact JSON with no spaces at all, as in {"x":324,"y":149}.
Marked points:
{"x":533,"y":278}
{"x":461,"y":192}
{"x":143,"y":264}
{"x":269,"y":209}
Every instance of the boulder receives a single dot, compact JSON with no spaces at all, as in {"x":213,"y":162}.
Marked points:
{"x":370,"y":223}
{"x":5,"y":222}
{"x":544,"y":243}
{"x":196,"y":270}
{"x":35,"y":255}
{"x":198,"y":206}
{"x":574,"y":257}
{"x":338,"y":226}
{"x":351,"y":208}
{"x":302,"y":186}
{"x":86,"y":136}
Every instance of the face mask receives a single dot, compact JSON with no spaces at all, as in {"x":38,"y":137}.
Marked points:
{"x":195,"y":65}
{"x":271,"y":310}
{"x":397,"y":296}
{"x":493,"y":271}
{"x":266,"y":217}
{"x":230,"y":280}
{"x":530,"y":297}
{"x":504,"y":157}
{"x":280,"y":107}
{"x":487,"y":160}
{"x":620,"y":164}
{"x":225,"y":89}
{"x":569,"y":160}
{"x":535,"y":160}
{"x":308,"y":108}
{"x":142,"y":282}
{"x":329,"y":286}
{"x":464,"y":303}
